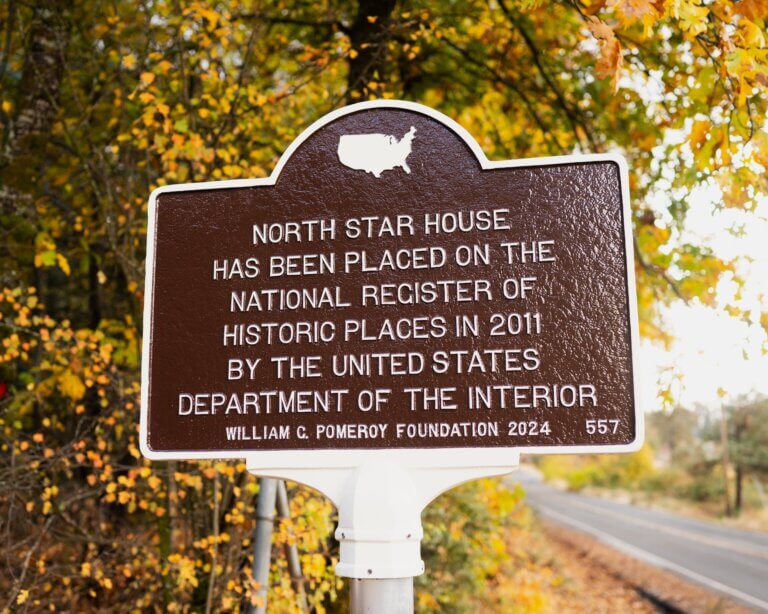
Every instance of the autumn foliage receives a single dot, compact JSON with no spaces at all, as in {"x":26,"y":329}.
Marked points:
{"x":100,"y":102}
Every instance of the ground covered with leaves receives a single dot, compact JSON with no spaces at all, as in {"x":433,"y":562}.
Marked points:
{"x":605,"y":573}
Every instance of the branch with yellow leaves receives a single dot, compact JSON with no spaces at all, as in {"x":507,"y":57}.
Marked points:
{"x":653,"y":269}
{"x":498,"y":77}
{"x":575,"y":118}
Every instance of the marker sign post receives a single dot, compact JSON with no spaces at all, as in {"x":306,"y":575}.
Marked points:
{"x":390,"y":314}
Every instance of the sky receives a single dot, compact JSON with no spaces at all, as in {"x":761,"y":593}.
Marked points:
{"x":713,"y":350}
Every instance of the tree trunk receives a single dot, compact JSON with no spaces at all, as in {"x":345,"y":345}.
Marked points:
{"x":35,"y":101}
{"x":726,"y":459}
{"x":369,"y":38}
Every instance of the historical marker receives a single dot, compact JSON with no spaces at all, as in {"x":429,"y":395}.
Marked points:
{"x":388,"y":287}
{"x":390,"y":314}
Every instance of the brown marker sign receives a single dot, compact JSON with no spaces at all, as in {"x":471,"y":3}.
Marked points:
{"x":389,"y":287}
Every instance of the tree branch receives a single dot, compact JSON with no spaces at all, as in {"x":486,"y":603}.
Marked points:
{"x":571,"y":115}
{"x":653,"y":269}
{"x":323,"y":23}
{"x":368,"y":36}
{"x":509,"y":84}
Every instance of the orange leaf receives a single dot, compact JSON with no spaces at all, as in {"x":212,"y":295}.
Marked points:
{"x":610,"y":61}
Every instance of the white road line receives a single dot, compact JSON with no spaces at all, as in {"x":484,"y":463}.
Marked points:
{"x":658,"y":561}
{"x":690,"y":535}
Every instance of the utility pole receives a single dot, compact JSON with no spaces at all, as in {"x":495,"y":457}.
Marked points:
{"x":291,"y":551}
{"x":726,"y":455}
{"x":262,"y":543}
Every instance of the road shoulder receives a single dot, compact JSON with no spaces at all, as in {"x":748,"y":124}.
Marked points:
{"x":666,"y":591}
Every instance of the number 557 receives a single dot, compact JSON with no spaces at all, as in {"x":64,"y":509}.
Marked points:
{"x":602,"y":426}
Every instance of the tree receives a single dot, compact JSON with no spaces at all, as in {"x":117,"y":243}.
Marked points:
{"x":102,"y":101}
{"x":674,"y":435}
{"x":749,"y":444}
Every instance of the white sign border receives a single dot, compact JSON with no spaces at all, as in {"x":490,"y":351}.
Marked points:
{"x":414,"y":457}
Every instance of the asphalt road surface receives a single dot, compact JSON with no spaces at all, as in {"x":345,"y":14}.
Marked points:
{"x":731,"y":561}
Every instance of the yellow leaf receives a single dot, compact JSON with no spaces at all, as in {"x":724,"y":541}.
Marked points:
{"x":186,"y":573}
{"x":631,"y":11}
{"x":692,"y":16}
{"x":71,"y":385}
{"x":751,"y":34}
{"x":764,"y":320}
{"x":147,"y":78}
{"x":63,"y":264}
{"x":353,"y":53}
{"x":22,"y":597}
{"x":129,"y":61}
{"x":699,"y":132}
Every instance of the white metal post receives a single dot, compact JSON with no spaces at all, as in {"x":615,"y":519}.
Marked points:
{"x":388,"y":596}
{"x":380,"y":504}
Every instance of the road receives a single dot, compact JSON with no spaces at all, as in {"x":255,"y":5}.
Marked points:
{"x":731,"y":561}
